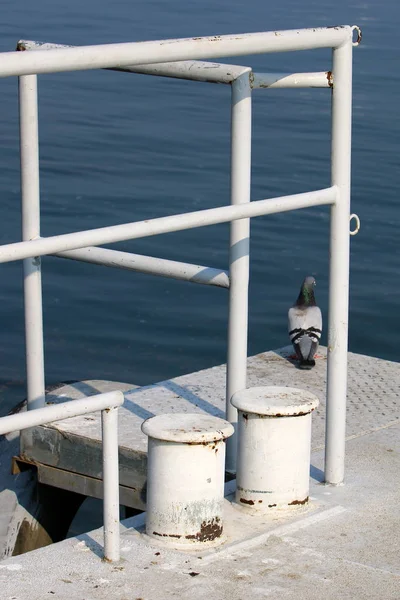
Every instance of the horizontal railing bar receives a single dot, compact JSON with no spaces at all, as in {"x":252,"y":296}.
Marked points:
{"x":149,"y":264}
{"x":207,"y":71}
{"x":58,"y":412}
{"x":323,"y":79}
{"x":106,"y":403}
{"x":140,"y":229}
{"x":160,"y":51}
{"x":194,"y":70}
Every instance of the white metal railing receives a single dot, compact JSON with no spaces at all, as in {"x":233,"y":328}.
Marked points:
{"x":108,"y":404}
{"x":160,"y":58}
{"x":162,"y":51}
{"x":60,"y":244}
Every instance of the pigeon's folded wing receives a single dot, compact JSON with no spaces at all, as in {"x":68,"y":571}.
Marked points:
{"x":302,"y":320}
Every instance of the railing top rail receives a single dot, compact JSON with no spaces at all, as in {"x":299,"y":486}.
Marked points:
{"x":58,"y":412}
{"x":206,"y":71}
{"x":170,"y":50}
{"x":107,"y":403}
{"x":197,"y":70}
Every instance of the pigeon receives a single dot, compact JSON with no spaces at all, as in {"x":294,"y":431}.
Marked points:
{"x":305,"y":324}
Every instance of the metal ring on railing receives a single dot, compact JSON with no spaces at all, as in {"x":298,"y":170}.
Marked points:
{"x":358,"y":224}
{"x":359,"y":34}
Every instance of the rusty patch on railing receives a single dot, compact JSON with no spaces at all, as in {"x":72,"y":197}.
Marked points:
{"x":329,"y":76}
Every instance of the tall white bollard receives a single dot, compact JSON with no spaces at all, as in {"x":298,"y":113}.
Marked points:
{"x":185,"y":477}
{"x":274,"y":445}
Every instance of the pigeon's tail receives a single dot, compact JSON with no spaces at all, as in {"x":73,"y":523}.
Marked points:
{"x":307,"y":364}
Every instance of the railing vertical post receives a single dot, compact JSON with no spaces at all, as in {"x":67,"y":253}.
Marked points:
{"x":30,"y":190}
{"x":109,"y":424}
{"x":239,"y":253}
{"x":339,"y":266}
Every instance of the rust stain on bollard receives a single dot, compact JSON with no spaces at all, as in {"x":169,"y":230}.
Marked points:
{"x":244,"y":501}
{"x":171,"y":535}
{"x":209,"y":530}
{"x":295,"y":502}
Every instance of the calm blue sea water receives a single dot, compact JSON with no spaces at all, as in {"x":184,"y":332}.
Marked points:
{"x":117,"y":147}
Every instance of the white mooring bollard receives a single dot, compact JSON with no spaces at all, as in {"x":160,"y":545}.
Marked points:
{"x":274,"y":445}
{"x":185,"y":477}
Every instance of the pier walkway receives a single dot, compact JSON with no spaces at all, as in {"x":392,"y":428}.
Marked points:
{"x":345,"y":544}
{"x":74,"y":445}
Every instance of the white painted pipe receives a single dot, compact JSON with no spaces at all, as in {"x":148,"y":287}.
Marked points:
{"x":194,"y":70}
{"x":170,"y":50}
{"x":210,"y":72}
{"x":239,"y":247}
{"x":149,"y":227}
{"x":185,"y":478}
{"x":291,"y":80}
{"x":274,"y":445}
{"x":109,"y":428}
{"x":108,"y":404}
{"x":58,"y":412}
{"x":149,"y":264}
{"x":339,"y":267}
{"x":30,"y":193}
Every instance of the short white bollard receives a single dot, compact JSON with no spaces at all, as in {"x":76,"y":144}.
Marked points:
{"x":274,"y":446}
{"x":185,"y":477}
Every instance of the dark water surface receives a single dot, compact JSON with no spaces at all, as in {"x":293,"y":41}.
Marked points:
{"x":117,"y":147}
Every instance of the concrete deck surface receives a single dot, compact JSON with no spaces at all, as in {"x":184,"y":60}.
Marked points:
{"x":345,"y":545}
{"x":372,"y":397}
{"x":74,"y":445}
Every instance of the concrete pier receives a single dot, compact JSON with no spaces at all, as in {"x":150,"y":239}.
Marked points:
{"x":343,"y":544}
{"x":68,"y":454}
